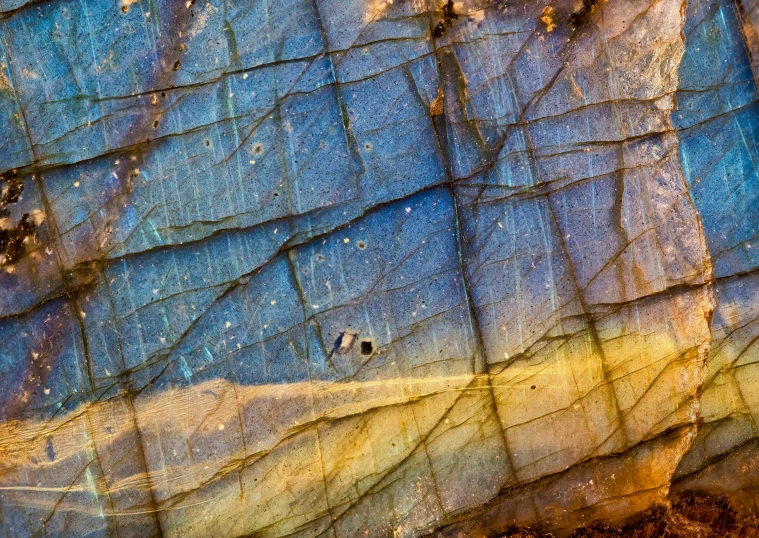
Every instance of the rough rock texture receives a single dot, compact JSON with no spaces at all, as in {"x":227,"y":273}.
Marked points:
{"x":689,"y":517}
{"x":349,"y":268}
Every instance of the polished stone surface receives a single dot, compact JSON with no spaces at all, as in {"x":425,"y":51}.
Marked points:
{"x":373,"y":267}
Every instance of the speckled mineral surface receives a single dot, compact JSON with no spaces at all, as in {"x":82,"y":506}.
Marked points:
{"x":390,"y":268}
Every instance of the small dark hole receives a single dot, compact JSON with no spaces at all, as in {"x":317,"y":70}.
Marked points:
{"x":163,"y":94}
{"x":366,"y":347}
{"x":276,"y":194}
{"x":176,"y":65}
{"x":155,"y":124}
{"x":533,"y":387}
{"x":208,"y":143}
{"x":124,"y":9}
{"x":583,"y":15}
{"x":361,"y":245}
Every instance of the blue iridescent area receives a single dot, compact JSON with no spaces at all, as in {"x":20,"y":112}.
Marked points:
{"x":374,"y":267}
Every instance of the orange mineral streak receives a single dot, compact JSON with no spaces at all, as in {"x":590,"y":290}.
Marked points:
{"x":219,"y":447}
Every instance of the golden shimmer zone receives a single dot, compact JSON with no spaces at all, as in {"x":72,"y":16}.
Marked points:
{"x":349,"y":268}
